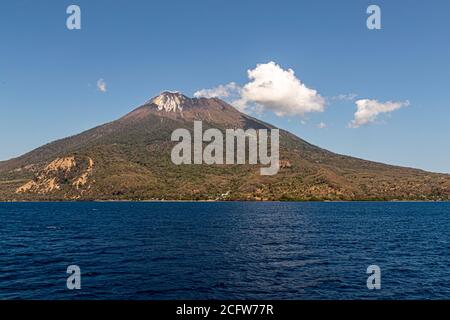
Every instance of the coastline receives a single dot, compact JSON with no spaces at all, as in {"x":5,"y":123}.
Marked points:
{"x":223,"y":201}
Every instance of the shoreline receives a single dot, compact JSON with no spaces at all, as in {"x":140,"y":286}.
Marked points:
{"x":224,"y":201}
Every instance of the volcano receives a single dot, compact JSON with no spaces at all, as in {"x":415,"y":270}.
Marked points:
{"x":129,"y":159}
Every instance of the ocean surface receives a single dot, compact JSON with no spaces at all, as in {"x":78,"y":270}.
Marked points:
{"x":239,"y":250}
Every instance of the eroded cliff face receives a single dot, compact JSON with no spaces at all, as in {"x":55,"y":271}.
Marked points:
{"x":70,"y":175}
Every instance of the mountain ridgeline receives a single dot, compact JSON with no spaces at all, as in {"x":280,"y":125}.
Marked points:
{"x":129,"y":159}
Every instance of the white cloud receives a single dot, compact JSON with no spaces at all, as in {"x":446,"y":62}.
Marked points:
{"x":368,"y":110}
{"x":322,"y":125}
{"x":101,"y":85}
{"x":222,"y":91}
{"x":270,"y":88}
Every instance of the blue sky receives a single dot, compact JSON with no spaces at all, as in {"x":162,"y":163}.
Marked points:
{"x":48,"y":74}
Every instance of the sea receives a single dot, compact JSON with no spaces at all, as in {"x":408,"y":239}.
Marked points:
{"x":225,"y":250}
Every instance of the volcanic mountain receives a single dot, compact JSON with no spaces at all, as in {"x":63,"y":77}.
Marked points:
{"x":129,"y":159}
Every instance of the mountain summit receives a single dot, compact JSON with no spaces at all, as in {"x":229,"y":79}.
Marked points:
{"x":129,"y":159}
{"x":170,"y":101}
{"x":175,"y":105}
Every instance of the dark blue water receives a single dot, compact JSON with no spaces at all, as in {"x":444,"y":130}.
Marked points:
{"x":225,"y":250}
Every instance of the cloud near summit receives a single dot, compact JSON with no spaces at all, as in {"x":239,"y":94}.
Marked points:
{"x":270,"y":88}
